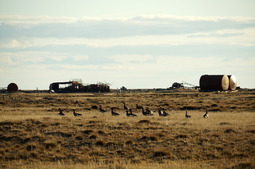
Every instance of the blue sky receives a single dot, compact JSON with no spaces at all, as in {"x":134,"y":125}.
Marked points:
{"x":145,"y":44}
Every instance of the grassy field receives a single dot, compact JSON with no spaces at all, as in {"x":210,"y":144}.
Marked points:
{"x":32,"y":135}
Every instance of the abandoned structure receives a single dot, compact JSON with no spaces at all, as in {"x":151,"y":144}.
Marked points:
{"x":177,"y":85}
{"x":74,"y":86}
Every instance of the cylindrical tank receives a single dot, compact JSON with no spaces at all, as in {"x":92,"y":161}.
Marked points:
{"x":12,"y":87}
{"x":214,"y":82}
{"x":232,"y":82}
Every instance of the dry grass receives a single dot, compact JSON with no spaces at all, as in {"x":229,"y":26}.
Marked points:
{"x":33,"y":136}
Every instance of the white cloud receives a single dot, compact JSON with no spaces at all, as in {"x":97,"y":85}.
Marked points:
{"x":131,"y":58}
{"x":90,"y":67}
{"x":28,"y":32}
{"x":141,"y":18}
{"x":104,"y":28}
{"x":19,"y":58}
{"x":5,"y":59}
{"x":242,"y":37}
{"x":163,"y":18}
{"x":81,"y":57}
{"x":32,"y":20}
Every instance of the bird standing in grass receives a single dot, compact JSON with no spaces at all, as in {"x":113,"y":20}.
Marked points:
{"x":130,"y":114}
{"x":101,"y":110}
{"x":187,"y":116}
{"x":165,"y":113}
{"x":162,"y":112}
{"x":76,"y":114}
{"x":138,"y":107}
{"x":147,"y":112}
{"x":206,"y":114}
{"x":114,"y":113}
{"x":125,"y":107}
{"x":61,"y":112}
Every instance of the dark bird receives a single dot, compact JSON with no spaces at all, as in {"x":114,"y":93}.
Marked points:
{"x":125,"y":107}
{"x":160,"y":112}
{"x":149,"y":111}
{"x":93,"y":107}
{"x":61,"y":112}
{"x":165,"y":113}
{"x":138,"y":107}
{"x":114,"y":113}
{"x":206,"y":114}
{"x":187,"y":116}
{"x":130,"y":114}
{"x":101,"y":110}
{"x":146,"y":113}
{"x":76,"y":114}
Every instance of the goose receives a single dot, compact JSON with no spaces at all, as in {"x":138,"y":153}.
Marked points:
{"x":130,"y":114}
{"x":76,"y":114}
{"x":125,"y":107}
{"x":162,"y":112}
{"x":206,"y":114}
{"x":146,"y":113}
{"x":114,"y":113}
{"x":101,"y":110}
{"x":138,"y":107}
{"x":61,"y":112}
{"x":187,"y":116}
{"x":149,"y":111}
{"x":165,"y":113}
{"x":93,"y":107}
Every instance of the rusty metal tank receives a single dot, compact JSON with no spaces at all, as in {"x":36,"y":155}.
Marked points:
{"x":214,"y":82}
{"x":12,"y":87}
{"x":232,"y":82}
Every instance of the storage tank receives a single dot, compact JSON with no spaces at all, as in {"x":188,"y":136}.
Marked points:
{"x":12,"y":87}
{"x":214,"y":82}
{"x":232,"y":82}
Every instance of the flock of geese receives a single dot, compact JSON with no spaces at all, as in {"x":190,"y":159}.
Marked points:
{"x":62,"y":114}
{"x":129,"y":112}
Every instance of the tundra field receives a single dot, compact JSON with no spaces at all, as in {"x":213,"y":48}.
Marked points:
{"x":32,"y":135}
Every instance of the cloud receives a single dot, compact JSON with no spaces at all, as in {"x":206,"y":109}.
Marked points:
{"x":101,"y":28}
{"x":28,"y":32}
{"x":34,"y":20}
{"x":81,"y":57}
{"x":243,"y":37}
{"x":131,"y":58}
{"x":5,"y":59}
{"x":28,"y":57}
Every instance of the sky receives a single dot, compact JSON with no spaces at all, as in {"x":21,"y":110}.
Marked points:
{"x":136,"y":44}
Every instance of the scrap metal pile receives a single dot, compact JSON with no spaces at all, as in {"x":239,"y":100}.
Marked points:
{"x":74,"y":86}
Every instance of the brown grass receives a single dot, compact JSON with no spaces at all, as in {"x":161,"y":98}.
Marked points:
{"x":33,"y":136}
